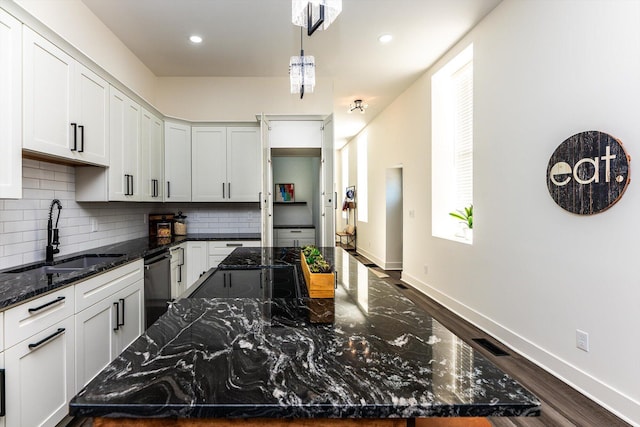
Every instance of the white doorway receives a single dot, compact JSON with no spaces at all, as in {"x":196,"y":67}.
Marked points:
{"x":393,"y":249}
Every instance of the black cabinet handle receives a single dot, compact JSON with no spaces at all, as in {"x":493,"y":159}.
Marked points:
{"x":131,"y":178}
{"x":81,"y":150}
{"x":229,"y":184}
{"x":223,"y":190}
{"x":3,"y":409}
{"x":180,"y":273}
{"x":122,"y":301}
{"x":117,"y":305}
{"x":295,"y":231}
{"x":45,"y":305}
{"x":75,"y":136}
{"x":230,"y":277}
{"x":168,"y":189}
{"x":126,"y":178}
{"x":234,"y":245}
{"x":35,"y":345}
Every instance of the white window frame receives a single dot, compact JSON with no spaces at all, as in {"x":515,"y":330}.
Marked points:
{"x":452,"y":145}
{"x":362,"y":190}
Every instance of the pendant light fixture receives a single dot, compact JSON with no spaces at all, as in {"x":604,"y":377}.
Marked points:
{"x":314,"y":14}
{"x":302,"y":72}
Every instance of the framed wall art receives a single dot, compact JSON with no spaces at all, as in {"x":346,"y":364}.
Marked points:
{"x":285,"y":193}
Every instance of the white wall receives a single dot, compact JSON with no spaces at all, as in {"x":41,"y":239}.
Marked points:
{"x":543,"y":71}
{"x":238,"y":98}
{"x":304,"y":173}
{"x":77,"y":24}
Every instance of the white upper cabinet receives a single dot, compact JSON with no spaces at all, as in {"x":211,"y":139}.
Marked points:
{"x":124,"y":131}
{"x":226,"y":164}
{"x":177,"y":162}
{"x":65,"y":104}
{"x":209,"y":163}
{"x":10,"y":107}
{"x":151,"y":157}
{"x":244,"y":169}
{"x":295,"y":133}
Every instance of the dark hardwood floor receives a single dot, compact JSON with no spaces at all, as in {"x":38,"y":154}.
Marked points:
{"x":561,"y":405}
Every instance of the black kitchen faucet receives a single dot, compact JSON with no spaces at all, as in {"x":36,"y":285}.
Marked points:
{"x":52,"y":233}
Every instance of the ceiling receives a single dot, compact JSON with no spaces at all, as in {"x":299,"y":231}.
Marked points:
{"x":255,"y":38}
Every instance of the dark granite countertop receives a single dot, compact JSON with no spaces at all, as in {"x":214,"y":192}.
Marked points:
{"x":22,"y":283}
{"x":368,"y":353}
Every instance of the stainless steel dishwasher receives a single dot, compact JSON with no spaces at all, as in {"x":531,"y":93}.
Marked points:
{"x":157,"y":286}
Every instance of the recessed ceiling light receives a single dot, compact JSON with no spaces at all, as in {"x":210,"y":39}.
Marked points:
{"x":195,"y":39}
{"x":385,"y":38}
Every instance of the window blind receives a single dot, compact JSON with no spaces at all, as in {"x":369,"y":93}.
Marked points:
{"x":462,"y":81}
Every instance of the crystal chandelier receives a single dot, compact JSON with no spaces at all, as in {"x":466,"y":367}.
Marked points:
{"x":325,"y":12}
{"x":302,"y":72}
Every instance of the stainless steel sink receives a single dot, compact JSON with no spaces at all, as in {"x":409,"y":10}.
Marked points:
{"x":70,"y":265}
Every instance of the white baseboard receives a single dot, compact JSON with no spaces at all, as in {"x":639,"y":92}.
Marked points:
{"x":386,"y":265}
{"x":606,"y":396}
{"x":371,"y":257}
{"x":392,"y":265}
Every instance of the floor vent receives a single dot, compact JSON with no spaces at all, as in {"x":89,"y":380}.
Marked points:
{"x":401,"y":286}
{"x":370,"y":265}
{"x":494,"y":349}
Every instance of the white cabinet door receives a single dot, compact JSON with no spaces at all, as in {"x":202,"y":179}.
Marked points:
{"x":209,"y":164}
{"x":197,"y":262}
{"x":66,"y":105}
{"x":244,"y":159}
{"x":124,"y":133}
{"x":178,"y":270}
{"x":130,"y":305}
{"x":95,"y":340}
{"x":151,"y":157}
{"x":177,"y":162}
{"x":48,"y":73}
{"x":40,"y":377}
{"x":10,"y":107}
{"x":91,"y":114}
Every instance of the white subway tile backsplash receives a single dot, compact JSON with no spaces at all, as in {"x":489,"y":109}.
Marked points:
{"x":23,"y":222}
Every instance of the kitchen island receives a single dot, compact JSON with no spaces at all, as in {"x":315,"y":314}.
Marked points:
{"x":370,"y":353}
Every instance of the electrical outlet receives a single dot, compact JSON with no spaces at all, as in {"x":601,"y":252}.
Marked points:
{"x":412,"y":213}
{"x":426,"y":269}
{"x":94,"y":225}
{"x":144,"y":218}
{"x":582,"y":340}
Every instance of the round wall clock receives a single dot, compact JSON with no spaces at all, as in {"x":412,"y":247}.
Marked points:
{"x":588,"y":173}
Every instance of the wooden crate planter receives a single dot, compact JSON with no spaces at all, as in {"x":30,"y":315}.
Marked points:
{"x":319,"y":285}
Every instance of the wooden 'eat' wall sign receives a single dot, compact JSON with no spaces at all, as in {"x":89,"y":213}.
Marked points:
{"x":588,"y":172}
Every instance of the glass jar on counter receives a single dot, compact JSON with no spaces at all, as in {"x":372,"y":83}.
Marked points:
{"x":180,"y":224}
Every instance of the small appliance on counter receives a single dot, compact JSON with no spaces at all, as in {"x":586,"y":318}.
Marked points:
{"x":161,"y":225}
{"x":180,"y":224}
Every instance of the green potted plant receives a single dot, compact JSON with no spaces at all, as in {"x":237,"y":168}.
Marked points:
{"x":466,"y":217}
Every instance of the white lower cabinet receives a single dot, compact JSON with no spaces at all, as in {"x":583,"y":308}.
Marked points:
{"x":196,"y":261}
{"x":219,"y":250}
{"x":294,"y":237}
{"x":178,"y":270}
{"x":39,"y":360}
{"x":108,"y":326}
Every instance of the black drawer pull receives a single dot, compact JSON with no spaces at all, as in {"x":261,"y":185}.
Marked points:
{"x":295,"y":231}
{"x":75,"y":136}
{"x":122,"y":301}
{"x":81,"y":150}
{"x":117,"y":305}
{"x":234,"y":245}
{"x":44,"y":340}
{"x":55,"y":301}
